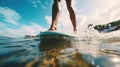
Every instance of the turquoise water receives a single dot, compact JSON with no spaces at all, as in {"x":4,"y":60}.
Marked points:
{"x":80,"y":52}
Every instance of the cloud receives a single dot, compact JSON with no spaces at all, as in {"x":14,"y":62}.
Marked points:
{"x":10,"y":16}
{"x":103,"y":11}
{"x":39,"y":3}
{"x":32,"y":29}
{"x":48,"y":19}
{"x":108,"y":13}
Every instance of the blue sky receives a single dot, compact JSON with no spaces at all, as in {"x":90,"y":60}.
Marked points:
{"x":15,"y":14}
{"x":29,"y":10}
{"x":21,"y":17}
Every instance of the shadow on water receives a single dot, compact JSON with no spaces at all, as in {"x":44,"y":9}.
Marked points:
{"x":50,"y":44}
{"x":60,"y":53}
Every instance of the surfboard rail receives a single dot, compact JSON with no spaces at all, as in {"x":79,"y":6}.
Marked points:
{"x":55,"y":35}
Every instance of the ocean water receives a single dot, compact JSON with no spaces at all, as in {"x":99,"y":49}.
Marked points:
{"x":81,"y":52}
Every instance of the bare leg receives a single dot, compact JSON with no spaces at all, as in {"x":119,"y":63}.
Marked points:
{"x":55,"y":15}
{"x":72,"y":14}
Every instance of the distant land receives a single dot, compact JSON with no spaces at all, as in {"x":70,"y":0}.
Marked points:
{"x":31,"y":36}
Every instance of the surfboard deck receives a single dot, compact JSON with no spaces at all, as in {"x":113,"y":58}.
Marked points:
{"x":55,"y":35}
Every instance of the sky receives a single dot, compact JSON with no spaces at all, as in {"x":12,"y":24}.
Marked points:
{"x":29,"y":17}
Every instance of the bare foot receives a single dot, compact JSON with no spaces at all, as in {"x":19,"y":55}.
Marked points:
{"x":53,"y":29}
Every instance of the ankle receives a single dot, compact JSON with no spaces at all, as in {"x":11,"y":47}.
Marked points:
{"x":53,"y":29}
{"x":74,"y":29}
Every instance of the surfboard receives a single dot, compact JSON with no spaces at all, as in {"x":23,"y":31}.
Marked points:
{"x":47,"y":35}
